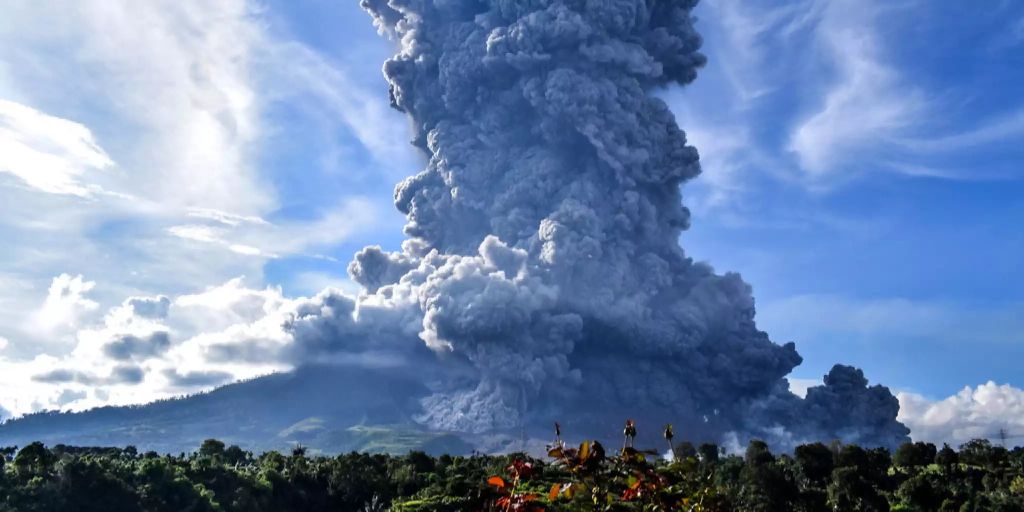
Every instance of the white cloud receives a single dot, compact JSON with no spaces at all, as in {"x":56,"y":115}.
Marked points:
{"x":219,"y":307}
{"x":979,"y":412}
{"x":813,"y":94}
{"x":724,"y":161}
{"x":3,"y":343}
{"x":383,"y":132}
{"x":272,"y":240}
{"x":173,"y":80}
{"x":745,"y":48}
{"x":48,"y":153}
{"x":311,"y":283}
{"x":799,"y":386}
{"x":183,"y":72}
{"x":170,"y":89}
{"x":222,"y":217}
{"x":197,"y":233}
{"x":869,"y":103}
{"x":1004,"y":127}
{"x":65,"y":303}
{"x":149,"y":348}
{"x":180,"y":93}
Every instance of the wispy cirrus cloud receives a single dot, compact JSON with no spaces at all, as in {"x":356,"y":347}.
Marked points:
{"x":48,"y":153}
{"x":815,"y":95}
{"x":868,"y":102}
{"x":257,"y":237}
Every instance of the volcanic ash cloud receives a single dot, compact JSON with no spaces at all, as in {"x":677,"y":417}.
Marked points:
{"x":543,"y":268}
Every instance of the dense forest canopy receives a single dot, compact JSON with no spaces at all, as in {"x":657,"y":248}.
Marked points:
{"x":916,"y":477}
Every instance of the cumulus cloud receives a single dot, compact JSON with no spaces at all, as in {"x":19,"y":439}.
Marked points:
{"x":62,"y":376}
{"x":120,"y":374}
{"x":148,"y":348}
{"x":126,"y":374}
{"x":126,"y":347}
{"x":69,"y":396}
{"x":66,"y":302}
{"x":149,"y":307}
{"x":974,"y":413}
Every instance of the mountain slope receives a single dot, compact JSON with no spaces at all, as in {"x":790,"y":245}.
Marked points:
{"x":326,"y":409}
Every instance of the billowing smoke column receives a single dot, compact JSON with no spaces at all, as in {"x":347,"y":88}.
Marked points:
{"x":543,"y":266}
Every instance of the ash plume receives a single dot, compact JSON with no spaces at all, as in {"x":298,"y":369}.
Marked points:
{"x":543,"y":266}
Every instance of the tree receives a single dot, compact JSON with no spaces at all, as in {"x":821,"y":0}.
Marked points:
{"x":7,"y":453}
{"x":235,"y":455}
{"x":765,"y":486}
{"x":947,"y":457}
{"x":685,"y":450}
{"x":758,"y":453}
{"x":815,"y":463}
{"x":34,"y":460}
{"x":850,"y":492}
{"x":914,"y":455}
{"x":976,"y":452}
{"x":853,"y":456}
{"x":708,"y":453}
{"x":921,"y":493}
{"x":211,"y":448}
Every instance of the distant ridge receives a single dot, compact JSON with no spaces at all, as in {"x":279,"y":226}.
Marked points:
{"x":325,"y":409}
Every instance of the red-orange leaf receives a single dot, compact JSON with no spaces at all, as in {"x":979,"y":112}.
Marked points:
{"x":555,"y":489}
{"x":497,"y":481}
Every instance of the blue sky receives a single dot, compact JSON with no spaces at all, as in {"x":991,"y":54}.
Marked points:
{"x":863,"y":170}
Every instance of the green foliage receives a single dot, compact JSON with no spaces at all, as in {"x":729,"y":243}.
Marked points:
{"x":815,"y":477}
{"x":914,"y":455}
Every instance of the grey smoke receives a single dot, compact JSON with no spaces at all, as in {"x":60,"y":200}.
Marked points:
{"x":543,"y":268}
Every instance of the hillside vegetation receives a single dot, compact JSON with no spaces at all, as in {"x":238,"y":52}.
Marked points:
{"x":588,"y":476}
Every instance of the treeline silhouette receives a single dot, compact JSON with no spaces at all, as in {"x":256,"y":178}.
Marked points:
{"x":815,"y":477}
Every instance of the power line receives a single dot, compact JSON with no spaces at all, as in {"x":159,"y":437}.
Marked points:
{"x":1002,"y":435}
